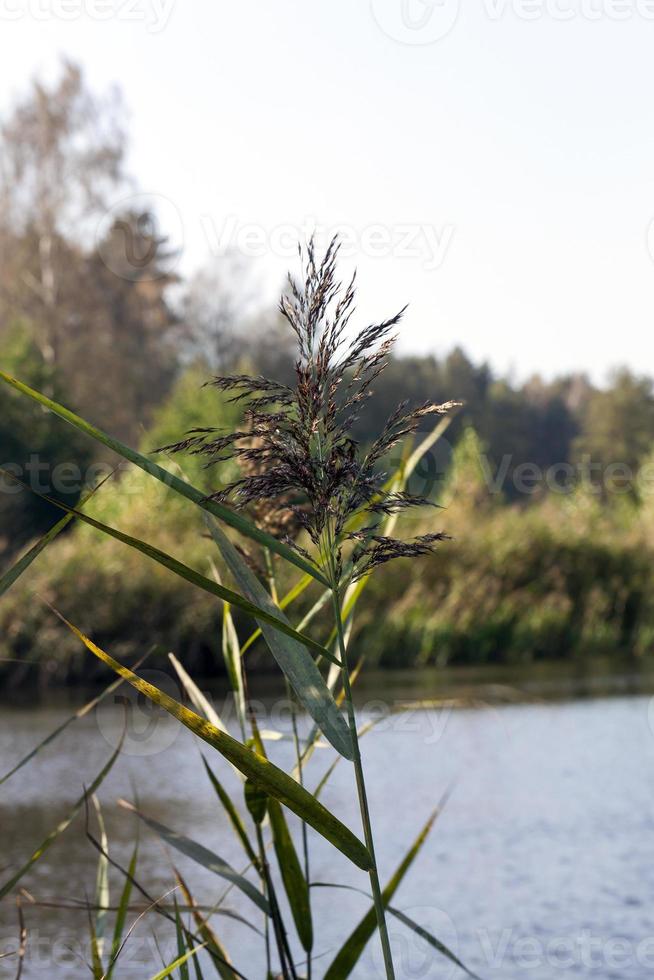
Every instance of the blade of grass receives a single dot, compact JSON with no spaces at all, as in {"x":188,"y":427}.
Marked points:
{"x":409,"y":923}
{"x":348,"y":956}
{"x":61,"y":826}
{"x":269,"y":777}
{"x":166,"y":972}
{"x":293,"y":659}
{"x":232,"y":813}
{"x":432,"y":940}
{"x":181,"y":945}
{"x":102,"y":897}
{"x":231,"y":651}
{"x":221,"y":959}
{"x":96,"y":963}
{"x":232,"y":655}
{"x":290,"y":596}
{"x":295,"y":885}
{"x":201,"y":855}
{"x":224,"y":514}
{"x":121,"y":915}
{"x":157,"y":905}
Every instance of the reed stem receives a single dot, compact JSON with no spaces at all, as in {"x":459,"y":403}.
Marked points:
{"x":361,"y":789}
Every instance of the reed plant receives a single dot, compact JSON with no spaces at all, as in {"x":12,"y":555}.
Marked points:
{"x":310,"y":503}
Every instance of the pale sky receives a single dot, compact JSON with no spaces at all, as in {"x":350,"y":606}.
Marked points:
{"x":491,"y":165}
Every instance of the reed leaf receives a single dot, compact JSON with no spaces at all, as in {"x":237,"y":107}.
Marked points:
{"x":293,"y":659}
{"x":201,"y":855}
{"x":349,"y":954}
{"x":181,"y":944}
{"x":293,"y":593}
{"x":168,"y":970}
{"x":102,"y":897}
{"x":295,"y":884}
{"x":220,"y":958}
{"x":232,"y":814}
{"x":121,"y":915}
{"x":274,"y":781}
{"x":432,"y":940}
{"x":232,"y":656}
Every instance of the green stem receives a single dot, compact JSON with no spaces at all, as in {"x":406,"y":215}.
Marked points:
{"x":286,"y":965}
{"x":361,"y":789}
{"x":298,"y":755}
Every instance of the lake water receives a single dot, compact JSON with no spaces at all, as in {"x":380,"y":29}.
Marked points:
{"x":540,"y":866}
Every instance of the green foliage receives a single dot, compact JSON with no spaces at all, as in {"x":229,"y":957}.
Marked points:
{"x":618,"y":426}
{"x":191,"y":404}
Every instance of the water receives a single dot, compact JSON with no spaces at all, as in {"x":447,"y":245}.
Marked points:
{"x":541,"y":865}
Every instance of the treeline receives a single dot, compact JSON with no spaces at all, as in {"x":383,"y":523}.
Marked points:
{"x":92,"y":312}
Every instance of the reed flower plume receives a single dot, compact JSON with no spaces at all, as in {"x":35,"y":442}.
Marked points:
{"x":300,"y":465}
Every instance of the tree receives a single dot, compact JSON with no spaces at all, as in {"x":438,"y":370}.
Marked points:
{"x":98,"y":314}
{"x":617,"y":427}
{"x":62,"y":159}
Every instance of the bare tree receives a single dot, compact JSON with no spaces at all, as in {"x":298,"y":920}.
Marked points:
{"x":61,"y":154}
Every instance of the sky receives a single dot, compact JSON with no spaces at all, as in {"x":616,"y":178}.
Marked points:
{"x":489,"y":162}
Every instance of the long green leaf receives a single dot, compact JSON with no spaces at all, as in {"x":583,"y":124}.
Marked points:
{"x":203,"y":856}
{"x":348,"y":956}
{"x":14,"y":573}
{"x":409,"y":923}
{"x":61,"y":826}
{"x":290,"y":596}
{"x":220,"y":958}
{"x":102,"y":897}
{"x":232,"y":813}
{"x":294,"y":660}
{"x":432,"y":940}
{"x":269,"y":777}
{"x":232,"y":656}
{"x":166,"y":972}
{"x":295,"y":884}
{"x":224,"y":514}
{"x":121,"y":915}
{"x":181,"y":945}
